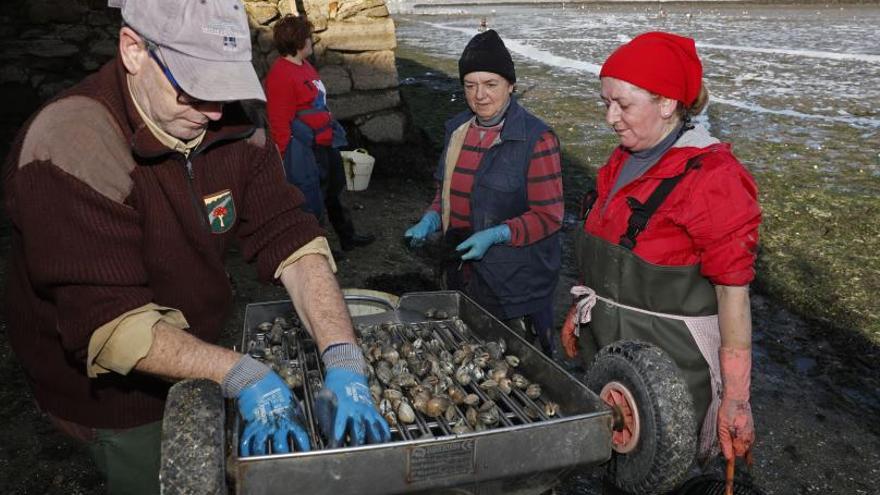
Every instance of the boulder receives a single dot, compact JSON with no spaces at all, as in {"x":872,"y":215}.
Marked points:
{"x":386,"y":127}
{"x":336,"y":79}
{"x":261,"y":13}
{"x":351,"y":7}
{"x":264,"y":38}
{"x":350,"y":105}
{"x":317,"y":10}
{"x":359,"y":34}
{"x":380,"y":11}
{"x":372,"y":70}
{"x":287,"y":7}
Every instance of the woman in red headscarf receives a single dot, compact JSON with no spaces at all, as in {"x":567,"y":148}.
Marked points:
{"x":667,"y":248}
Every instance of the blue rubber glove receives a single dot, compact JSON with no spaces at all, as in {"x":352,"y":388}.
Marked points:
{"x":354,"y":410}
{"x":429,"y":223}
{"x":477,"y":244}
{"x":269,"y":408}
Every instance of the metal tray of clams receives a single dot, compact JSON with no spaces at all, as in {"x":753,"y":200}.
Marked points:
{"x":474,"y":408}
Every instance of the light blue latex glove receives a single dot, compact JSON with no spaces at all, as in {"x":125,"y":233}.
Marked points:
{"x":429,"y":223}
{"x":269,"y":408}
{"x":478,"y":243}
{"x":354,"y":410}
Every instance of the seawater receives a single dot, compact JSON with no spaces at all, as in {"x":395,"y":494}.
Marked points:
{"x":802,"y":76}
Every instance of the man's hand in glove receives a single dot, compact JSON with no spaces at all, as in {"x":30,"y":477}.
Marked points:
{"x":355,"y":413}
{"x":736,"y":428}
{"x":476,"y":245}
{"x":268,"y":407}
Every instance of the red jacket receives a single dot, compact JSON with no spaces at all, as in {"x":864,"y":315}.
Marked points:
{"x":291,"y":88}
{"x":711,"y":217}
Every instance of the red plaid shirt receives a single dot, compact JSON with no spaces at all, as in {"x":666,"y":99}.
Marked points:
{"x":546,"y":205}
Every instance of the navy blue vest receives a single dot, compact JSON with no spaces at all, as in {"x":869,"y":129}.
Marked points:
{"x":510,"y":281}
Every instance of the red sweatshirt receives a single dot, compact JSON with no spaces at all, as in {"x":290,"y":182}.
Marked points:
{"x":711,"y":217}
{"x":291,"y":88}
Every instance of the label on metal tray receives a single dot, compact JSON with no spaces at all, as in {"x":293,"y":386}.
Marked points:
{"x":443,"y":460}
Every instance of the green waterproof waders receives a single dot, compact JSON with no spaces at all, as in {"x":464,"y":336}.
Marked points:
{"x":619,"y":276}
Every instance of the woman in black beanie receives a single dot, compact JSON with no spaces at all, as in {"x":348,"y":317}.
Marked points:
{"x":499,"y":190}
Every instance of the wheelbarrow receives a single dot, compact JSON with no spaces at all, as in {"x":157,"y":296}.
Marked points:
{"x":524,"y":454}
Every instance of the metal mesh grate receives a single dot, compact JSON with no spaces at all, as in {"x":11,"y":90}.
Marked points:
{"x":285,"y":346}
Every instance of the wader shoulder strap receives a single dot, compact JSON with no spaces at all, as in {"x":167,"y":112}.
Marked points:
{"x":642,"y":212}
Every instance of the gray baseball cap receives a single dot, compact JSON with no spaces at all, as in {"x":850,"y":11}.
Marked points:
{"x":206,"y":44}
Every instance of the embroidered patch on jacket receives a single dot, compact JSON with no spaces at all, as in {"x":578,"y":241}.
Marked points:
{"x":221,"y":211}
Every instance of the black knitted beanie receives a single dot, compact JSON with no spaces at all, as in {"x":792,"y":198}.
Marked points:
{"x":485,"y":52}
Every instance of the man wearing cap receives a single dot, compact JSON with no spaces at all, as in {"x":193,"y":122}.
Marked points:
{"x":124,"y":192}
{"x":499,"y":194}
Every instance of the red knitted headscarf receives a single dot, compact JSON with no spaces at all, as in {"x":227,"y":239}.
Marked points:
{"x":662,"y":63}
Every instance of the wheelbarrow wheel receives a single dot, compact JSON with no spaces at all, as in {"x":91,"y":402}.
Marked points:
{"x":654,"y":433}
{"x":193,"y":450}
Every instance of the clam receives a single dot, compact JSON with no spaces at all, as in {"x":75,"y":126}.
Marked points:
{"x":456,"y":393}
{"x":392,"y":394}
{"x":460,"y":427}
{"x":472,"y":399}
{"x":504,"y":385}
{"x":490,"y":415}
{"x":533,"y":391}
{"x":463,"y":375}
{"x":472,"y":416}
{"x":519,"y":381}
{"x":451,"y":413}
{"x":494,"y":350}
{"x":391,"y":418}
{"x":551,"y":408}
{"x":390,"y":354}
{"x":512,"y":360}
{"x":405,"y":412}
{"x":437,"y":406}
{"x":499,"y":371}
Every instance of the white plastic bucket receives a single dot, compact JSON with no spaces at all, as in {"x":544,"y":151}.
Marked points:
{"x":358,"y":168}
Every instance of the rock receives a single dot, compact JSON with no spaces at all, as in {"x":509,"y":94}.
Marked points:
{"x":287,"y":7}
{"x":12,"y":74}
{"x":49,"y":11}
{"x":331,"y":57}
{"x":49,"y":48}
{"x":385,"y":128}
{"x":104,"y":48}
{"x":317,"y":11}
{"x":359,"y":34}
{"x":351,"y":7}
{"x":372,"y":70}
{"x":380,"y":11}
{"x":336,"y":79}
{"x":261,"y":13}
{"x":346,"y":106}
{"x":74,"y":33}
{"x":264,"y":38}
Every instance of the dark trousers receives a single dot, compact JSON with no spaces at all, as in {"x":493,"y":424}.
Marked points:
{"x":332,"y":183}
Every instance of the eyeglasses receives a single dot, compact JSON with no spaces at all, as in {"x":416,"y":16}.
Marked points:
{"x":182,"y":97}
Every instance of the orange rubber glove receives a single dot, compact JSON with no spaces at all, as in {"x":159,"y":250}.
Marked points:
{"x":736,"y":428}
{"x":568,"y":337}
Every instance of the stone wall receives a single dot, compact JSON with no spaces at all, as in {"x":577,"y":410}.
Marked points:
{"x":48,"y":45}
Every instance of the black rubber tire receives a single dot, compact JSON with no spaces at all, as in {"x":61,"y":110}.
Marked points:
{"x":193,"y":440}
{"x":667,"y":441}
